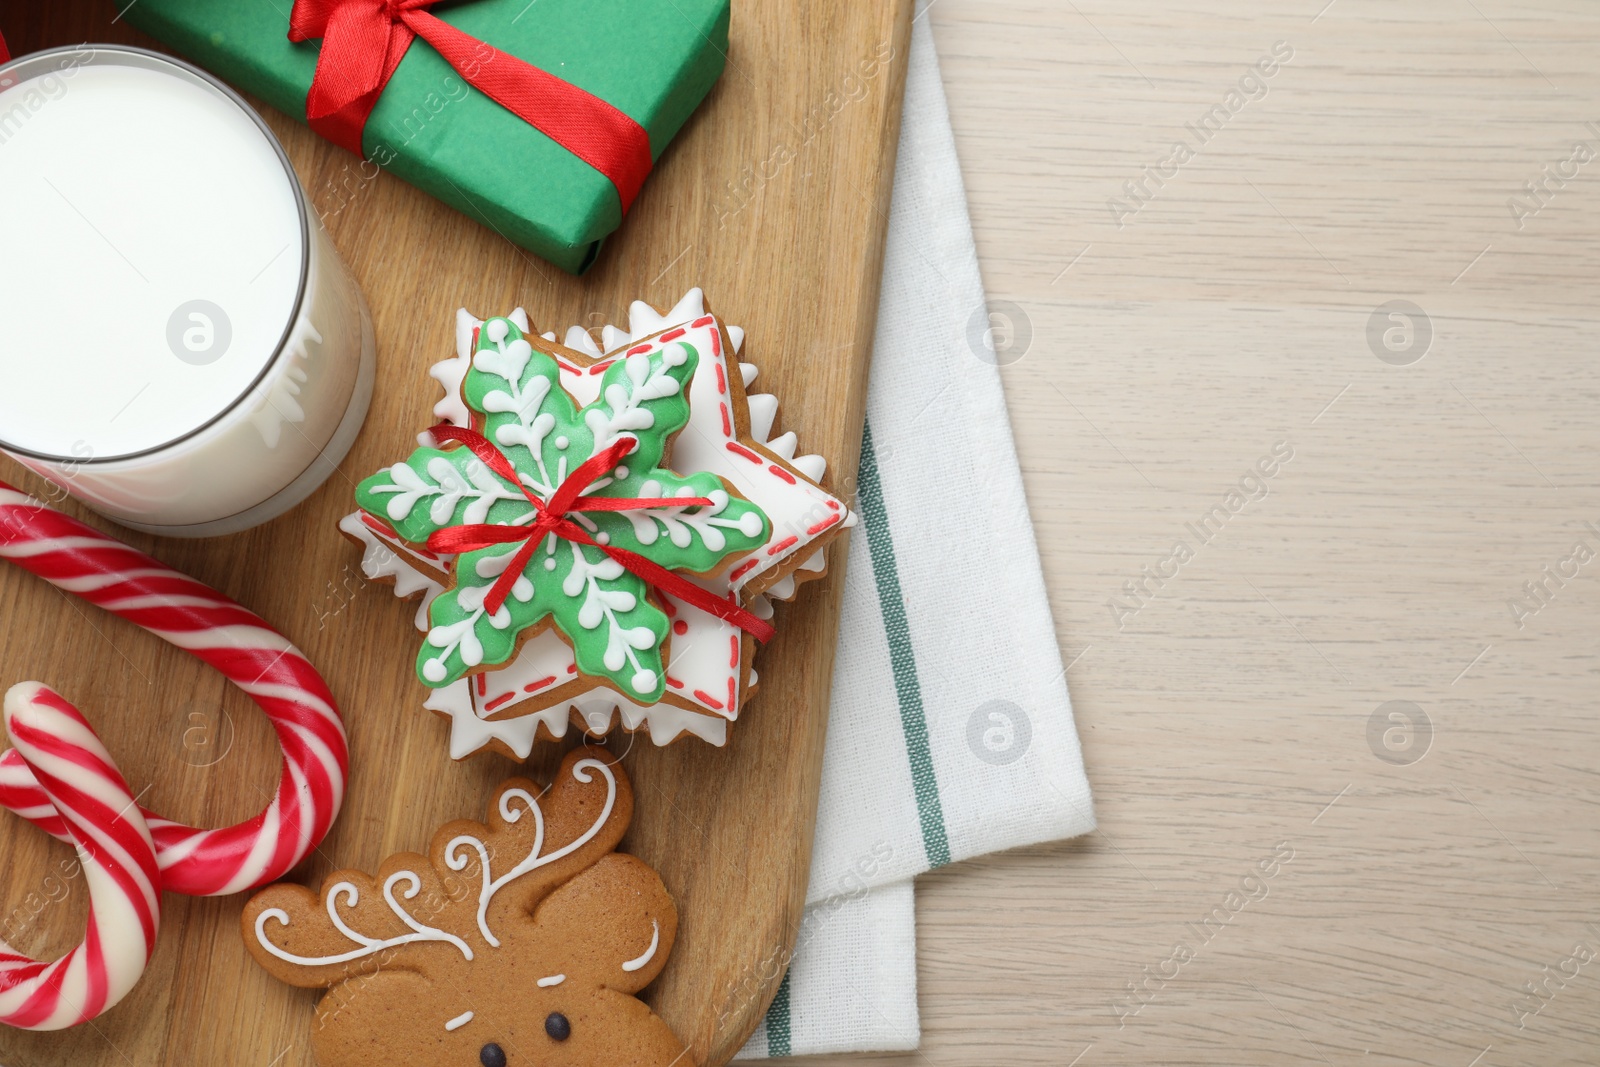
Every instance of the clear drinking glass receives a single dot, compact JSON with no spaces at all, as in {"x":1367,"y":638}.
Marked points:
{"x":181,"y":347}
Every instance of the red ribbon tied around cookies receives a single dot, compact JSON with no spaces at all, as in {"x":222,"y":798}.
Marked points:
{"x":552,"y":519}
{"x":363,"y":42}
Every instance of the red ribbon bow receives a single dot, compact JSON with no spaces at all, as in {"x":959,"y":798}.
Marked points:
{"x":552,"y":519}
{"x":363,"y":42}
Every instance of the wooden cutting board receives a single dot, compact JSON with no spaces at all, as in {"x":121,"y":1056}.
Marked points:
{"x":775,"y":199}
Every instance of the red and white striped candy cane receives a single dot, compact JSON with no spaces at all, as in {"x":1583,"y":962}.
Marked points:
{"x":96,"y":807}
{"x":255,"y":657}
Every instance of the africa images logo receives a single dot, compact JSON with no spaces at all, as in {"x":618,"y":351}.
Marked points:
{"x":1250,"y":87}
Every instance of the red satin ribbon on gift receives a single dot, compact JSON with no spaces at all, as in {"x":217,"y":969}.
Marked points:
{"x":363,"y":42}
{"x":552,"y":519}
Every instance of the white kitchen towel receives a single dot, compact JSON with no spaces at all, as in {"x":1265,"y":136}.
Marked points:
{"x":950,"y":732}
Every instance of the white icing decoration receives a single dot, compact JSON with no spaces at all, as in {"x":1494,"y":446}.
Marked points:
{"x":459,"y":1021}
{"x":532,"y":426}
{"x":813,"y":467}
{"x":785,"y":445}
{"x":386,"y":557}
{"x":763,"y":412}
{"x":457,"y":860}
{"x":626,"y":402}
{"x":644,"y":320}
{"x":494,"y":567}
{"x":553,"y":980}
{"x":477,"y":483}
{"x":649,"y":953}
{"x":366,"y":946}
{"x":449,"y":638}
{"x":600,"y":606}
{"x":680,"y":524}
{"x":794,"y":509}
{"x":507,"y":362}
{"x":578,"y":338}
{"x":470,"y":731}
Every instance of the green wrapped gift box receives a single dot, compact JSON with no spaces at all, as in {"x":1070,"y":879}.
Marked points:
{"x":654,"y":60}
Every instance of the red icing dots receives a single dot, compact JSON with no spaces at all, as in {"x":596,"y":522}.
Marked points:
{"x":823,"y":525}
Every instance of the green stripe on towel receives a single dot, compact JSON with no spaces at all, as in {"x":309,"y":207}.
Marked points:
{"x":778,"y":1021}
{"x":908,"y":688}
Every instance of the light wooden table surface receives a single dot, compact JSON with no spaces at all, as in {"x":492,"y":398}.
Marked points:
{"x":1235,"y":710}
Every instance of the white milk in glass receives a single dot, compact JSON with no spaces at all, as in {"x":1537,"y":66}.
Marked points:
{"x":180,"y":346}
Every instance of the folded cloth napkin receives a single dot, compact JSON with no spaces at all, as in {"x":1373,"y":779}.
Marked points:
{"x":950,"y":732}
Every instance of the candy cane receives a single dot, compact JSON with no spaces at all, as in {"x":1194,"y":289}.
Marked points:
{"x":95,"y":805}
{"x":255,"y":657}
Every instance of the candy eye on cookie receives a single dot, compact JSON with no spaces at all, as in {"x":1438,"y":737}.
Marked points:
{"x":491,"y":1054}
{"x":557,"y":1026}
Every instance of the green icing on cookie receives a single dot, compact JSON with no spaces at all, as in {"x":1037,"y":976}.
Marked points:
{"x":598,"y":605}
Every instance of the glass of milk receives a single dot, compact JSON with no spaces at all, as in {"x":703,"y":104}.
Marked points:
{"x":181,"y":348}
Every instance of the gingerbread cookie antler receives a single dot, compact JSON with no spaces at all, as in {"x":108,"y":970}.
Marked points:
{"x":522,"y":940}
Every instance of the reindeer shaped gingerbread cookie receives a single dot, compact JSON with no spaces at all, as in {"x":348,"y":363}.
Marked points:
{"x":523,"y":941}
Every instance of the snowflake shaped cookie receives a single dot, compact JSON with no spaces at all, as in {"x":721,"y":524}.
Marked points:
{"x":569,"y":582}
{"x":708,"y":673}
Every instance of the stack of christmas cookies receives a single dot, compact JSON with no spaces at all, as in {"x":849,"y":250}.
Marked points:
{"x":596,"y":529}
